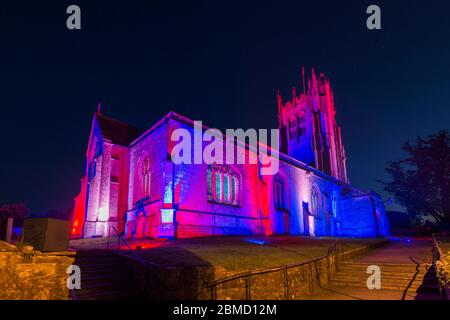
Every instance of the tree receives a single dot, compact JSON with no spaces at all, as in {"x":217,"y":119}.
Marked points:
{"x":15,"y":211}
{"x":421,"y":181}
{"x":9,"y":212}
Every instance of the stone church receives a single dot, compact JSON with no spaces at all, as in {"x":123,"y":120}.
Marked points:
{"x":131,"y":185}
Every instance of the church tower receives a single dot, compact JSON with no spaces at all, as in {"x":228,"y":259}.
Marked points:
{"x":308,"y":128}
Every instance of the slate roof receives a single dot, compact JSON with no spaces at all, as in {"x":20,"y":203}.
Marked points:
{"x":118,"y":132}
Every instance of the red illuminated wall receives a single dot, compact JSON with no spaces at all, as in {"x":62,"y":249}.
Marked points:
{"x":79,"y":212}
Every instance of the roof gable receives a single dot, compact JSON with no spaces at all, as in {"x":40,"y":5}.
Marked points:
{"x":116,"y":131}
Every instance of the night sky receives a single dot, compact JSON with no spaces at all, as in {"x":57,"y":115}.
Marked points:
{"x":216,"y":61}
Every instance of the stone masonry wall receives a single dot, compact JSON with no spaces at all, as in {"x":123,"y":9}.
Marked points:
{"x":286,"y":283}
{"x":195,"y":283}
{"x":32,"y":275}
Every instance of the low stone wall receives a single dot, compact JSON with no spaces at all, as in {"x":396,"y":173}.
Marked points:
{"x":196,"y":283}
{"x":31,"y":275}
{"x":291,"y":282}
{"x":162,"y":283}
{"x":441,"y":263}
{"x":285,"y":283}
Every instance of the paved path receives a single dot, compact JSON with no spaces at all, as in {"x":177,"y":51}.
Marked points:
{"x":398,"y":251}
{"x":401,"y":250}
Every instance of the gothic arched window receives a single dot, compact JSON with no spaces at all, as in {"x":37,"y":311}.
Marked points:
{"x":315,"y":202}
{"x":235,"y":181}
{"x":334,"y":204}
{"x":279,"y":193}
{"x":223,"y":185}
{"x":146,"y":176}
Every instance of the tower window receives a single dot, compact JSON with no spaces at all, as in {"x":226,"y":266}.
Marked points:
{"x":300,"y":128}
{"x":292,"y":127}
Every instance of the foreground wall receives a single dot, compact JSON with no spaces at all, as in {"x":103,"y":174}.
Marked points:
{"x":210,"y":282}
{"x":31,"y":275}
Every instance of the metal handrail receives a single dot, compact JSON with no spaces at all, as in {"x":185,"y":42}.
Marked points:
{"x":331,"y":250}
{"x":133,"y":252}
{"x":144,"y":263}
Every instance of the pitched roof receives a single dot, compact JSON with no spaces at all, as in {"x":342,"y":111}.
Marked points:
{"x":118,"y":132}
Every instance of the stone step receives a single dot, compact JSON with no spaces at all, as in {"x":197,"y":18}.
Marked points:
{"x":97,"y":270}
{"x":383,"y":279}
{"x":387,"y":273}
{"x":110,"y":264}
{"x":392,"y":281}
{"x":392,"y":285}
{"x":412,"y":289}
{"x":384,"y":266}
{"x":95,"y":255}
{"x":105,"y":295}
{"x":103,"y":277}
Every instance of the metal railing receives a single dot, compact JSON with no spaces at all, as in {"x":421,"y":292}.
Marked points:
{"x":335,"y":250}
{"x":150,"y":267}
{"x":121,"y":238}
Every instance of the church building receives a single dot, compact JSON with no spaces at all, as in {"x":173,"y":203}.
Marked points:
{"x":131,"y":185}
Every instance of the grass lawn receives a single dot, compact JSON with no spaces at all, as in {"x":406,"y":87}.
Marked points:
{"x":231,"y":253}
{"x":243,"y":253}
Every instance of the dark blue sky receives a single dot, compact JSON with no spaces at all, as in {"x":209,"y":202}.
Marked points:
{"x":216,"y":61}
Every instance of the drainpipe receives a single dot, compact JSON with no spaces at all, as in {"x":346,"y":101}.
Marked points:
{"x":175,"y":223}
{"x":374,"y":210}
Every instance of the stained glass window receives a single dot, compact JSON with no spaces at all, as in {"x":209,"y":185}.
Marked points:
{"x":218,"y":196}
{"x":222,"y":185}
{"x":226,"y":189}
{"x":210,"y":183}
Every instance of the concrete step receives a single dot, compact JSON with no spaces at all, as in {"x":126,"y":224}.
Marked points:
{"x":104,"y":277}
{"x":384,"y":266}
{"x":111,"y":283}
{"x":387,"y":273}
{"x":426,"y":289}
{"x":106,"y":295}
{"x":87,"y":271}
{"x":105,"y":280}
{"x":384,"y":276}
{"x":392,"y":284}
{"x":396,"y":283}
{"x":104,"y":263}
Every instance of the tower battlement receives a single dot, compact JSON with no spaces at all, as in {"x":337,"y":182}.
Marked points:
{"x":309,"y":131}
